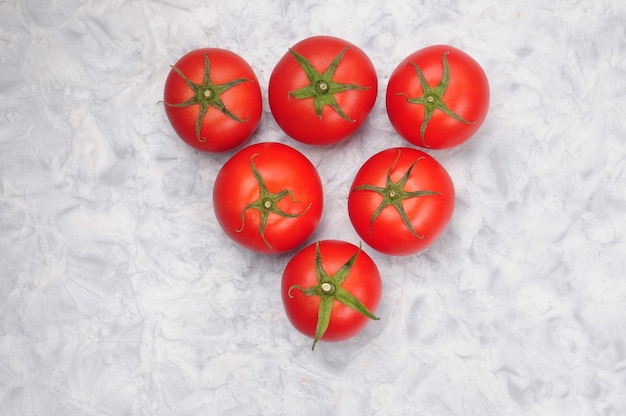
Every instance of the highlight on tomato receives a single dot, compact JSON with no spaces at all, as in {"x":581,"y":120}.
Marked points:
{"x":437,"y":97}
{"x":213,"y":99}
{"x":330,"y":290}
{"x":322,"y":90}
{"x":268,"y":198}
{"x":401,"y":201}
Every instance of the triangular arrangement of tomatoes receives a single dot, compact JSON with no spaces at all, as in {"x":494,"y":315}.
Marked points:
{"x":268,"y":197}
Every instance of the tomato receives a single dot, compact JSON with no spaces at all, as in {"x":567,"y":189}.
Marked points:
{"x":330,"y":290}
{"x":401,"y":200}
{"x":437,"y":97}
{"x":322,"y":90}
{"x":213,"y":99}
{"x":268,"y":198}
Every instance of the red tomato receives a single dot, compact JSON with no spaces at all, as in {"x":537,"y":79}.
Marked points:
{"x":322,"y":90}
{"x":437,"y":97}
{"x":330,"y":290}
{"x":268,"y":198}
{"x":213,"y":99}
{"x":401,"y":200}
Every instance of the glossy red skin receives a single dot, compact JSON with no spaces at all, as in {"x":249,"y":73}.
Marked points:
{"x":467,"y":95}
{"x":429,"y":215}
{"x":296,"y":117}
{"x":282,"y":167}
{"x":363,"y":282}
{"x":244,"y":100}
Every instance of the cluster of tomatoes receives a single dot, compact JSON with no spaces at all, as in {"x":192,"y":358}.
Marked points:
{"x":268,"y":196}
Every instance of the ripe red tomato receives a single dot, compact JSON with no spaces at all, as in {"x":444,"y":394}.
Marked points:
{"x":322,"y":90}
{"x":400,"y":201}
{"x":268,"y":198}
{"x":213,"y":99}
{"x":437,"y":97}
{"x":330,"y":290}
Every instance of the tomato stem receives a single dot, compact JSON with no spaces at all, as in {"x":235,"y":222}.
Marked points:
{"x":432,"y":98}
{"x":327,"y":288}
{"x":207,"y":95}
{"x":322,"y":88}
{"x":268,"y":203}
{"x":394,"y":194}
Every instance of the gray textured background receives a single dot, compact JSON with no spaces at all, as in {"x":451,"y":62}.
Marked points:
{"x":120,"y":295}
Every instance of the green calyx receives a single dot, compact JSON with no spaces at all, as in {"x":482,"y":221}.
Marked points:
{"x":322,"y":88}
{"x":268,"y":203}
{"x":329,"y":290}
{"x":394,"y":194}
{"x":433,"y":97}
{"x":208,"y":95}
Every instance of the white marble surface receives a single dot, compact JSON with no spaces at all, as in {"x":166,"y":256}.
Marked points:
{"x":120,"y":295}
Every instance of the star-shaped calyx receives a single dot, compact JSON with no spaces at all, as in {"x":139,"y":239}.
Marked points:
{"x":268,"y":203}
{"x":208,"y":95}
{"x":329,"y":289}
{"x":394,"y":194}
{"x":433,"y":97}
{"x":322,"y":88}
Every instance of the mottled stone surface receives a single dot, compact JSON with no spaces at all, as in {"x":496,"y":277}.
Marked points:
{"x":120,"y":295}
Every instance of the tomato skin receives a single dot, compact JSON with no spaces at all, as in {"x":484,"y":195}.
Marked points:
{"x":364,"y":282}
{"x":297,"y":117}
{"x":467,"y":95}
{"x":429,"y":215}
{"x":282,"y":167}
{"x":222,"y":133}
